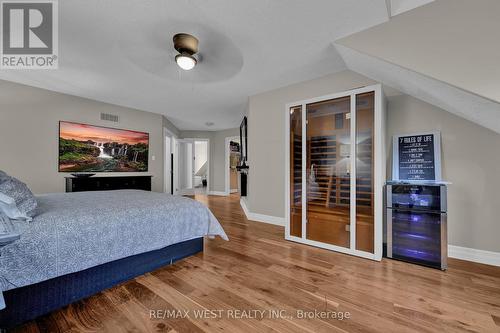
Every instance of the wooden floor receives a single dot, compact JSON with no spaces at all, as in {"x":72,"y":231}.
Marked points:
{"x":258,"y":270}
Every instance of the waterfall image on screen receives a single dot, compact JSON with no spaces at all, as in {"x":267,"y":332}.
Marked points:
{"x":88,"y":148}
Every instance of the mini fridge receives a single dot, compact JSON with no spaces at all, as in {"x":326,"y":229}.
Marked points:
{"x":416,"y":223}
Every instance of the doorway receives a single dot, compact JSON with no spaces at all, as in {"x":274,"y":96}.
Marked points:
{"x":232,"y":160}
{"x":201,"y":166}
{"x":193,"y":161}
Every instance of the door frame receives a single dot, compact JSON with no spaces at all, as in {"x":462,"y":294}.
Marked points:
{"x":379,"y":173}
{"x":227,"y":182}
{"x":167,"y":160}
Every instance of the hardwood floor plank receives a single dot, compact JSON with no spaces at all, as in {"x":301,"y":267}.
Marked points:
{"x":257,"y":270}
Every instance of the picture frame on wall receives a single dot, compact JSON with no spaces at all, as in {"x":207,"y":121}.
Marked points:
{"x":417,"y":157}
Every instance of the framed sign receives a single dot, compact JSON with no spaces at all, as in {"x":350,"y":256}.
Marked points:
{"x":417,"y":156}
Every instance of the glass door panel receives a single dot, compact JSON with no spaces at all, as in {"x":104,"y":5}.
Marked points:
{"x":365,"y":111}
{"x":296,"y":171}
{"x":416,"y":236}
{"x":328,"y":171}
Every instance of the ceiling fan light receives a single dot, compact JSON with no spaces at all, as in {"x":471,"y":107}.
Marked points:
{"x":185,"y":61}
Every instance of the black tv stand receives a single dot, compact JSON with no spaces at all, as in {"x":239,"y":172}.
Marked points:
{"x":108,"y":183}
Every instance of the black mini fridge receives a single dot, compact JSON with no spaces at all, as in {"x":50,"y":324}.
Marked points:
{"x":416,"y":223}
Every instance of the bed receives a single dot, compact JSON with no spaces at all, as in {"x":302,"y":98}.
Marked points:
{"x":81,"y":243}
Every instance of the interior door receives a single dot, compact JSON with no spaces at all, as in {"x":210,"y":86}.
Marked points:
{"x":328,"y":171}
{"x":365,"y":208}
{"x":185,"y":157}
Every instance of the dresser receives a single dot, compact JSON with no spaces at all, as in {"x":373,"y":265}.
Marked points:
{"x":102,"y":183}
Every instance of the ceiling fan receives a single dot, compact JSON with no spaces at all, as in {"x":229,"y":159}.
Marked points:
{"x":187,"y":46}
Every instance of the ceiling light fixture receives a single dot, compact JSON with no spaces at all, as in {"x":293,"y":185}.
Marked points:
{"x":185,"y":61}
{"x":187,"y":46}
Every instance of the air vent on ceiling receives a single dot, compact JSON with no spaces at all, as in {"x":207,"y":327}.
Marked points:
{"x":109,"y":117}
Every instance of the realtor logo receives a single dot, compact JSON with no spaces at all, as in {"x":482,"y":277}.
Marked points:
{"x":29,"y":36}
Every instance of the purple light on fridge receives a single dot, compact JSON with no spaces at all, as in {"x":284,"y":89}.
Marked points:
{"x":411,"y":253}
{"x":415,"y":236}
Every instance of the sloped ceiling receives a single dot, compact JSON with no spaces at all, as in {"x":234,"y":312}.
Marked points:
{"x":396,"y":7}
{"x":445,"y":53}
{"x":472,"y":107}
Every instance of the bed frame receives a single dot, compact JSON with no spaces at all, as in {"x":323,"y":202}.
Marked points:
{"x":29,"y":302}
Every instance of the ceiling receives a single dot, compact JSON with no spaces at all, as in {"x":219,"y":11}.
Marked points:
{"x":467,"y":105}
{"x":455,"y":41}
{"x":121,"y":52}
{"x":444,"y":53}
{"x":396,"y":7}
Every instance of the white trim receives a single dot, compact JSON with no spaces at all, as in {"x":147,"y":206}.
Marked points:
{"x":379,"y":157}
{"x":352,"y":174}
{"x":220,"y":193}
{"x":335,"y":248}
{"x":167,"y":159}
{"x":287,"y":171}
{"x":175,"y":146}
{"x":234,"y":190}
{"x":475,"y":255}
{"x":261,"y":217}
{"x":227,"y":181}
{"x":305,"y":216}
{"x":243,"y":204}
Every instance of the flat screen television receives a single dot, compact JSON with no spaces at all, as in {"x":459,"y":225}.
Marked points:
{"x":89,"y":148}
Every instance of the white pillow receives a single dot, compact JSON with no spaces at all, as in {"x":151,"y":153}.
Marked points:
{"x":9,"y":207}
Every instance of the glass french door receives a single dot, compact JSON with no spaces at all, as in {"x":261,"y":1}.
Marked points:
{"x":328,"y":169}
{"x":332,"y":173}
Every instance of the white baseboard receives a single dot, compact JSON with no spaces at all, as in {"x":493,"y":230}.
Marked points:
{"x":217,"y":193}
{"x":458,"y":252}
{"x":243,"y":204}
{"x":234,"y":190}
{"x":261,"y":217}
{"x":480,"y":256}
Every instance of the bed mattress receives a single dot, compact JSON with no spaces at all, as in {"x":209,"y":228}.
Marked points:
{"x":72,"y":232}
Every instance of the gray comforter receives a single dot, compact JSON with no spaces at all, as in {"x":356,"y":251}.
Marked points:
{"x":75,"y":231}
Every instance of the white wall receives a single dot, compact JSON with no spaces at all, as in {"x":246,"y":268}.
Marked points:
{"x":266,"y":137}
{"x":29,"y":125}
{"x":201,"y":154}
{"x":470,"y":160}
